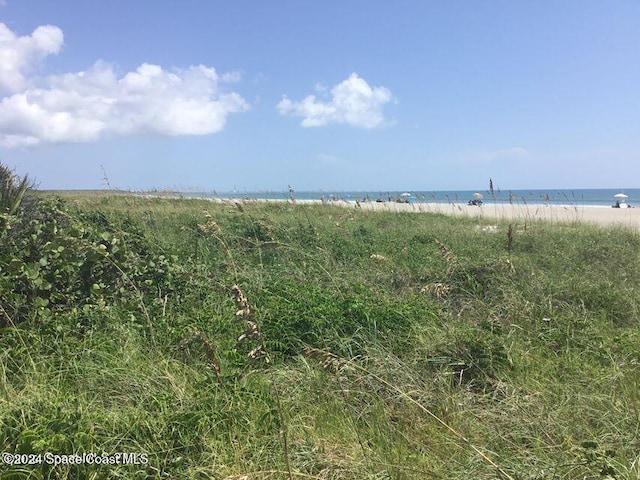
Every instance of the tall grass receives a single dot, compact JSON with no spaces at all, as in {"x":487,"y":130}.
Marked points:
{"x":295,"y":341}
{"x":12,"y":190}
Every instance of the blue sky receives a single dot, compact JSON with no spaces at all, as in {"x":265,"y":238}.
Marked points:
{"x":331,"y":95}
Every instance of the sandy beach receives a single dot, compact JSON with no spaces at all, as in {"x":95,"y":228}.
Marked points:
{"x":629,"y":217}
{"x":600,"y":215}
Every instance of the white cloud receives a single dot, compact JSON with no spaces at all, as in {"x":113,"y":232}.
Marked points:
{"x":231,"y":77}
{"x":86,"y":106}
{"x":353,"y":102}
{"x":19,"y":56}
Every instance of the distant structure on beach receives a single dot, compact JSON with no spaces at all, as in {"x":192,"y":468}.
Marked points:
{"x":621,"y":201}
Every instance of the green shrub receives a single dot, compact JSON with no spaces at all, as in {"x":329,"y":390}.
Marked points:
{"x":53,"y":260}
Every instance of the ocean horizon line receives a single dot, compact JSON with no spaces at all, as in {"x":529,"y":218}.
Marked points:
{"x":557,"y":197}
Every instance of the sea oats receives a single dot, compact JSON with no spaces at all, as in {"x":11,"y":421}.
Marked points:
{"x":446,"y":253}
{"x":252,"y":329}
{"x":210,"y":225}
{"x":327,"y":360}
{"x":213,"y":357}
{"x":439,"y":290}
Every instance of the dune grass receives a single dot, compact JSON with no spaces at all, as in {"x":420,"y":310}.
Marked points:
{"x":281,"y":341}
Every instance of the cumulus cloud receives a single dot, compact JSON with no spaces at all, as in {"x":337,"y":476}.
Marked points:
{"x":19,"y":56}
{"x":86,"y":106}
{"x":353,"y":102}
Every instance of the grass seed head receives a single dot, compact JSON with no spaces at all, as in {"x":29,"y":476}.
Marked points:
{"x":446,"y":253}
{"x":439,"y":290}
{"x":327,"y":360}
{"x":210,"y":224}
{"x":213,"y":357}
{"x":241,"y":301}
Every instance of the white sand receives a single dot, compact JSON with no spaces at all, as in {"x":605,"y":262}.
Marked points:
{"x":629,"y":217}
{"x":571,"y":213}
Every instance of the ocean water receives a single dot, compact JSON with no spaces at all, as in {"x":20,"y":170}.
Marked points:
{"x":593,"y":197}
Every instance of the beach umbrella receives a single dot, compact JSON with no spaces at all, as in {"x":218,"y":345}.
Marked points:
{"x":621,"y":195}
{"x":405,"y":194}
{"x":477,"y":195}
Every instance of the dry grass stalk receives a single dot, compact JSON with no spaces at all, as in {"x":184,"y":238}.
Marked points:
{"x":439,"y":290}
{"x":210,"y":226}
{"x":252,"y":329}
{"x":327,"y":360}
{"x":241,"y":301}
{"x":252,"y":332}
{"x":446,"y":253}
{"x":510,"y":236}
{"x":267,"y":245}
{"x":213,"y":358}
